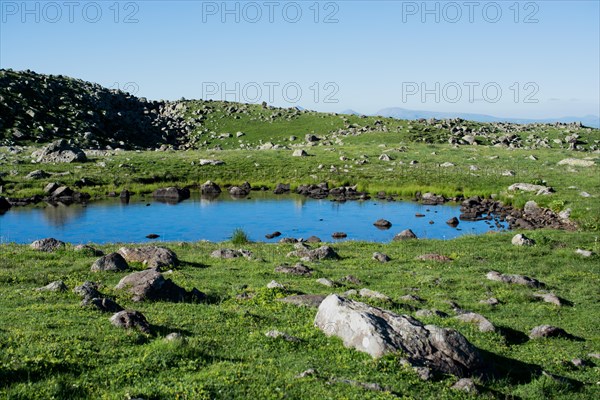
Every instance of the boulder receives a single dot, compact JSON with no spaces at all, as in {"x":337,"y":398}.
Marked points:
{"x":210,"y":188}
{"x":230,"y":253}
{"x":37,"y":174}
{"x":299,"y":153}
{"x":88,"y":291}
{"x":406,"y":234}
{"x":296,"y":269}
{"x":110,"y":262}
{"x":382,"y":223}
{"x":281,"y":188}
{"x":87,"y":249}
{"x":321,"y":253}
{"x":56,"y":286}
{"x":453,"y":222}
{"x":326,"y":282}
{"x":238,"y":191}
{"x":549,"y":298}
{"x":381,"y":257}
{"x":59,"y":151}
{"x":545,"y":331}
{"x":522,"y":240}
{"x":151,"y":285}
{"x":151,"y":256}
{"x":378,"y":332}
{"x":173,"y":194}
{"x":339,"y":235}
{"x":131,"y":320}
{"x":51,"y":187}
{"x":514,"y":279}
{"x":484,"y":324}
{"x":372,"y":294}
{"x":273,"y":235}
{"x":529,"y":187}
{"x":48,"y":245}
{"x":105,"y":304}
{"x":576,"y":162}
{"x":275,"y":285}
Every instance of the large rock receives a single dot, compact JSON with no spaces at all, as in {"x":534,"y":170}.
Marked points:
{"x":529,"y":187}
{"x":59,"y":152}
{"x":378,"y":332}
{"x":151,"y":256}
{"x":171,"y":194}
{"x":48,"y":245}
{"x":210,"y":188}
{"x":296,"y":269}
{"x":151,"y":285}
{"x":522,"y":240}
{"x":383,"y":224}
{"x":110,"y":262}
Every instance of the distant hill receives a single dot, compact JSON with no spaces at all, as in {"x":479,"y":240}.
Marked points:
{"x":402,"y":113}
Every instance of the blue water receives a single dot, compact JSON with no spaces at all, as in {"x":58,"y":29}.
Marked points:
{"x":214,"y":220}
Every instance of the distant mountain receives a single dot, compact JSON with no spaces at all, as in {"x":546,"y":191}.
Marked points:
{"x":350,"y":112}
{"x":402,"y":113}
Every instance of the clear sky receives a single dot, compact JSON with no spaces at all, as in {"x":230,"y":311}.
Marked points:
{"x":529,"y":59}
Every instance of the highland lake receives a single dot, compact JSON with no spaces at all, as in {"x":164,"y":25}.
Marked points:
{"x":111,"y":221}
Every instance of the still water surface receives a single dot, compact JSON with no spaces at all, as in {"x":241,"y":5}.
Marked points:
{"x":195,"y":219}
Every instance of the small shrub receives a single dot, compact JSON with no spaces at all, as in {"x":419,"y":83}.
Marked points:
{"x":239,"y":237}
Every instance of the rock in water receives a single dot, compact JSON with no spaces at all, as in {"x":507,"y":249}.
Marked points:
{"x":378,"y":332}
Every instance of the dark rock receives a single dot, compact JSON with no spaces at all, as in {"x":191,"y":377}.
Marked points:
{"x":4,"y":205}
{"x":171,"y":194}
{"x":51,"y":187}
{"x":88,"y":291}
{"x":382,"y":223}
{"x":453,"y":221}
{"x":131,"y":320}
{"x":273,"y":235}
{"x":151,"y":285}
{"x":210,"y":188}
{"x":321,"y":253}
{"x":110,"y":262}
{"x":296,"y":269}
{"x":152,"y":236}
{"x":339,"y":235}
{"x":105,"y":304}
{"x":313,"y":239}
{"x":282,"y":188}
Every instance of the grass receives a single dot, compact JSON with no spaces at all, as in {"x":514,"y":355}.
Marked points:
{"x":54,"y":348}
{"x":51,"y":347}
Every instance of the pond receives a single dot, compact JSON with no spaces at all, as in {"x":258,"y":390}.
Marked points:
{"x":111,"y":221}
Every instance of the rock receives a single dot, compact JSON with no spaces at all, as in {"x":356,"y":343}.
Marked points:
{"x":339,"y":235}
{"x":453,"y":221}
{"x":88,"y":290}
{"x":484,"y":324}
{"x":203,"y":162}
{"x":545,"y":331}
{"x":321,"y":253}
{"x":412,"y":298}
{"x":576,"y":162}
{"x":48,"y":245}
{"x":273,"y":235}
{"x":278,"y":334}
{"x":4,"y":205}
{"x":549,"y":298}
{"x":275,"y":285}
{"x":406,"y":234}
{"x":584,"y":253}
{"x":311,"y":138}
{"x":378,"y":332}
{"x":466,"y":385}
{"x":528,"y":187}
{"x":171,"y":194}
{"x":151,"y":285}
{"x":105,"y":304}
{"x":51,"y":187}
{"x":151,"y":256}
{"x":514,"y":279}
{"x":307,"y":373}
{"x":84,"y":248}
{"x":381,"y":257}
{"x":110,"y":262}
{"x":385,"y":157}
{"x":447,"y":164}
{"x":238,"y":191}
{"x":372,"y":294}
{"x":56,"y":286}
{"x":281,"y":188}
{"x":492,"y":301}
{"x":308,"y":300}
{"x":299,"y":153}
{"x":382,"y":223}
{"x":230,"y":253}
{"x":585,"y":194}
{"x":352,"y":279}
{"x":313,"y":239}
{"x":152,"y":236}
{"x":531,"y":207}
{"x":62,"y":191}
{"x":37,"y":174}
{"x":430,"y":313}
{"x":131,"y":320}
{"x":296,"y":269}
{"x":174,"y":337}
{"x":59,"y":151}
{"x":522,"y":240}
{"x":363,"y":385}
{"x":326,"y":282}
{"x":578,"y":362}
{"x":433,"y":257}
{"x":210,"y":188}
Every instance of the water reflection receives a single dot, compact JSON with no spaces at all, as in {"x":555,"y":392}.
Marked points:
{"x":60,"y":214}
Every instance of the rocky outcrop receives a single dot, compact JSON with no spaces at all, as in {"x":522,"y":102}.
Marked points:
{"x":378,"y":332}
{"x":59,"y":151}
{"x":171,"y":194}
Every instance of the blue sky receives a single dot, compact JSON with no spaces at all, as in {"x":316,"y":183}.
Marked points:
{"x":506,"y":58}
